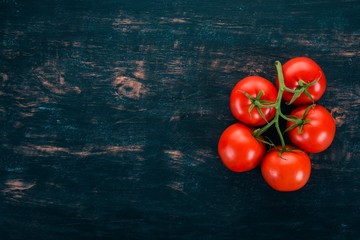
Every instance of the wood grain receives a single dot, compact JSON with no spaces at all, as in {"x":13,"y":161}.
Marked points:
{"x":111,"y":111}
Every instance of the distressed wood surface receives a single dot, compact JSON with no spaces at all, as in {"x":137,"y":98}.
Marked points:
{"x":111,"y":111}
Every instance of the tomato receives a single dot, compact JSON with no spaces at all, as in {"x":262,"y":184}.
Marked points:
{"x":305,"y":69}
{"x":287,"y":171}
{"x":240,"y":103}
{"x":239,"y":150}
{"x":317,"y":134}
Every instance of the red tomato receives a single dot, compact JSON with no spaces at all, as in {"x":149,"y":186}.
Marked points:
{"x":287,"y":171}
{"x":240,"y":103}
{"x":238,"y":148}
{"x":316,"y":135}
{"x":303,"y":68}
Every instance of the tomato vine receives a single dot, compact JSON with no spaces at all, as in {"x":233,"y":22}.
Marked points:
{"x":256,"y":103}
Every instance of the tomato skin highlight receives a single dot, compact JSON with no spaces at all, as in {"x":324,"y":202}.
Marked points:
{"x":240,"y":104}
{"x":303,"y":68}
{"x":287,"y":172}
{"x":318,"y":134}
{"x":238,"y":148}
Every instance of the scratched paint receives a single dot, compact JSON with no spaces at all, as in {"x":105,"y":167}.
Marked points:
{"x":110,"y":113}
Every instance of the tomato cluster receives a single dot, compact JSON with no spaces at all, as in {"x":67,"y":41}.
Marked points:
{"x":256,"y":103}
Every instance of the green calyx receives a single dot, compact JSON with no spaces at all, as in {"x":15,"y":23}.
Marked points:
{"x":302,"y":88}
{"x":300,"y":122}
{"x":258,"y":103}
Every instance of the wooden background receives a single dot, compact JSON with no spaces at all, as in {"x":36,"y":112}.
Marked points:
{"x":111,"y":112}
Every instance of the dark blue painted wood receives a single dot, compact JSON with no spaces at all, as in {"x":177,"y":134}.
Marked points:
{"x":111,"y":111}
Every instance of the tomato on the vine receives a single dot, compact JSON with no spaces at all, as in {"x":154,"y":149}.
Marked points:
{"x":303,"y":73}
{"x":255,"y":101}
{"x":239,"y":150}
{"x":286,"y":171}
{"x":317,"y":131}
{"x":246,"y":99}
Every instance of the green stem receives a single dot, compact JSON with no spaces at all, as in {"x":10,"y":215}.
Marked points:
{"x":289,"y":90}
{"x":270,"y":105}
{"x":280,"y":135}
{"x":278,"y":101}
{"x":277,"y":106}
{"x":259,"y":131}
{"x":287,"y":118}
